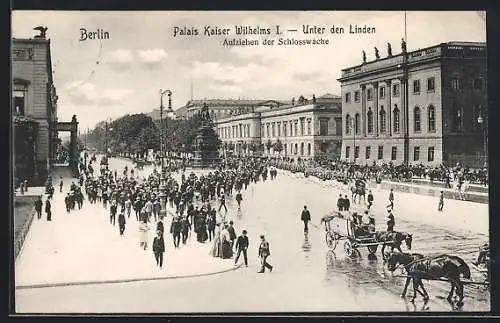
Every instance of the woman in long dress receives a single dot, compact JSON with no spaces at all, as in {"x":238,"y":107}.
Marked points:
{"x":217,"y":244}
{"x":227,"y":250}
{"x":143,"y":234}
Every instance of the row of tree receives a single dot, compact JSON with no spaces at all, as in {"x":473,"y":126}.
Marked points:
{"x":138,"y":132}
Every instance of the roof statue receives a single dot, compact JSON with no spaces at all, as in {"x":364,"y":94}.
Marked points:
{"x":389,"y":50}
{"x":42,"y":30}
{"x":377,"y":56}
{"x":364,"y":57}
{"x":205,"y":115}
{"x":403,"y":45}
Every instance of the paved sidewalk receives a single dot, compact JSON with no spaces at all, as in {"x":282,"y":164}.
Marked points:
{"x":83,"y":247}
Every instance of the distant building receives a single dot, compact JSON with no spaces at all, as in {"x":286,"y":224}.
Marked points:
{"x":220,"y":108}
{"x":426,"y":106}
{"x":309,"y":128}
{"x":34,"y":108}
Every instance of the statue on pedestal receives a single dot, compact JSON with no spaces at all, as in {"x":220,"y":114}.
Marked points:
{"x":377,"y":56}
{"x":364,"y":57}
{"x":389,"y":50}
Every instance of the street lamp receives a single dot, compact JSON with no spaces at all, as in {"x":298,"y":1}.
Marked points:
{"x":482,"y":121}
{"x":169,"y":110}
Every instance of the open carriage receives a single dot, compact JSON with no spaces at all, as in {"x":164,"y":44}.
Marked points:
{"x":340,"y":227}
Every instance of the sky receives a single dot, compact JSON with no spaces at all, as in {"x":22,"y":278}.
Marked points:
{"x":106,"y":79}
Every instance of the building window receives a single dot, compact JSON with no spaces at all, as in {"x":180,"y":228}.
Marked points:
{"x":348,"y":124}
{"x":356,"y":124}
{"x":290,"y":123}
{"x":356,"y":152}
{"x":456,"y":84}
{"x":296,"y":149}
{"x":348,"y":97}
{"x":302,"y":149}
{"x":273,"y":133}
{"x":416,"y":120}
{"x":369,"y":94}
{"x":19,"y":102}
{"x":395,"y":118}
{"x":382,"y":92}
{"x":285,"y":124}
{"x":457,"y":118}
{"x":309,"y":149}
{"x":430,"y":154}
{"x":338,"y":126}
{"x":268,"y":132}
{"x":370,"y":120}
{"x":308,"y":127}
{"x":395,"y":90}
{"x":394,"y":153}
{"x":347,"y":151}
{"x":279,"y":129}
{"x":323,"y":127}
{"x":302,"y":126}
{"x":356,"y":96}
{"x":416,"y":86}
{"x":380,"y":152}
{"x":296,"y":128}
{"x":431,"y":118}
{"x":367,"y":152}
{"x":431,"y":84}
{"x":382,"y":119}
{"x":416,"y":153}
{"x":477,"y":84}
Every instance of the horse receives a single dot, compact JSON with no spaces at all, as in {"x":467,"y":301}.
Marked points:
{"x":358,"y":191}
{"x":419,"y":267}
{"x":393,"y":239}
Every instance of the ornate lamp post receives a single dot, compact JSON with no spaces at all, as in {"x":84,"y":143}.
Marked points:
{"x":482,"y":121}
{"x":163,"y":201}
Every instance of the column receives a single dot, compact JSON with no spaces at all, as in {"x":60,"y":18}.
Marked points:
{"x":389,"y":110}
{"x":363,"y":112}
{"x":375,"y":108}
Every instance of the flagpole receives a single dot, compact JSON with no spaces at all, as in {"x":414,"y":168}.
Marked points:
{"x":405,"y":28}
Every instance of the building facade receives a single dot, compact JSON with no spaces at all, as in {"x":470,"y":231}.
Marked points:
{"x":34,"y":103}
{"x":308,"y":129}
{"x":220,"y":108}
{"x":427,"y":106}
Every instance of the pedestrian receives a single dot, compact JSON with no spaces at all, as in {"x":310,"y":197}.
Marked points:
{"x":128,"y":206}
{"x":61,"y":184}
{"x":160,"y":226}
{"x":185,"y":229}
{"x":48,"y":210}
{"x":227,"y":250}
{"x":239,"y":198}
{"x":159,"y":248}
{"x":264,"y":252}
{"x":222,"y":202}
{"x":390,"y":223}
{"x":241,"y":247}
{"x":232,"y":233}
{"x":121,"y":222}
{"x":441,"y":201}
{"x":340,"y":203}
{"x":38,"y":207}
{"x":143,"y":230}
{"x":391,"y":199}
{"x":370,"y":199}
{"x":347,"y":203}
{"x":175,"y":230}
{"x":112,"y":212}
{"x":305,"y":217}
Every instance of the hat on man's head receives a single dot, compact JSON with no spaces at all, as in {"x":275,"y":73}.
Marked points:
{"x":262,"y":236}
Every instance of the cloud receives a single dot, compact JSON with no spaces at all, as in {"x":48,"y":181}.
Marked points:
{"x":83,"y":93}
{"x":152,"y":55}
{"x":121,"y":59}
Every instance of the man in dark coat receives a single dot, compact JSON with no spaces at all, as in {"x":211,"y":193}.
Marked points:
{"x":390,"y":222}
{"x":241,"y":247}
{"x":159,"y":226}
{"x":48,"y":210}
{"x":121,"y":222}
{"x":347,"y":203}
{"x":175,"y":230}
{"x":239,"y":198}
{"x":38,"y":207}
{"x":340,"y":203}
{"x":185,"y":228}
{"x":112,"y":213}
{"x":370,"y":200}
{"x":305,"y":217}
{"x":159,"y":248}
{"x":232,"y":233}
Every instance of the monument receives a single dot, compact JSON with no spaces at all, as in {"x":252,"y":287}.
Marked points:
{"x":206,"y":146}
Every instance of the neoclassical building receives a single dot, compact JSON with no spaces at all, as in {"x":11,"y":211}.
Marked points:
{"x":426,"y":106}
{"x":306,"y":129}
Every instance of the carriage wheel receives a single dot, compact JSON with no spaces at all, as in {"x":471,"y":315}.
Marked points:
{"x":372,"y":249}
{"x":331,"y":240}
{"x":348,"y":248}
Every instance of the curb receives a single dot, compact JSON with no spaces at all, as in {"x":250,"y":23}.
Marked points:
{"x":129,"y":280}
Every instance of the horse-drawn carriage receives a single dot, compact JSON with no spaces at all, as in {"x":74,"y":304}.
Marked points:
{"x":341,"y":226}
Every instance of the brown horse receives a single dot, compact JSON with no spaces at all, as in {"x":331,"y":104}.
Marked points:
{"x":394,"y":240}
{"x":419,"y":267}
